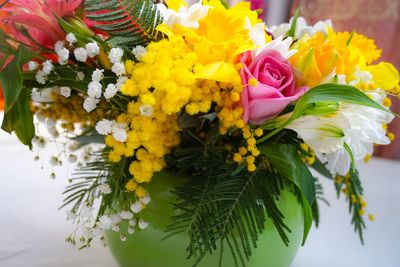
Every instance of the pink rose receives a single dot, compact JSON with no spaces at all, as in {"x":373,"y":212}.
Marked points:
{"x":269,"y":85}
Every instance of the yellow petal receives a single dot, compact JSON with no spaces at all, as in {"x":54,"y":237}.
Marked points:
{"x":385,"y":75}
{"x":164,"y":28}
{"x":175,"y":4}
{"x":218,"y":71}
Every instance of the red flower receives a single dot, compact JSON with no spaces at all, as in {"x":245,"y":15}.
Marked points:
{"x":38,"y":18}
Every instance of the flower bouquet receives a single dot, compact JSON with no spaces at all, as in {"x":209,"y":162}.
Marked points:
{"x":196,"y":125}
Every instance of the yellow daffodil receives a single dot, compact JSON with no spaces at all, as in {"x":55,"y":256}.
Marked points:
{"x":385,"y":75}
{"x":315,"y":60}
{"x":216,"y":48}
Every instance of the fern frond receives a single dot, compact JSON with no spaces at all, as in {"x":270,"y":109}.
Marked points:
{"x":128,"y":22}
{"x":222,"y":207}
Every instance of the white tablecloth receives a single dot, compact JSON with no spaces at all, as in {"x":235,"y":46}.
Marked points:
{"x":32,"y":229}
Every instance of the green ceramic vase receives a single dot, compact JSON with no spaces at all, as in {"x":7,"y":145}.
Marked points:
{"x":145,"y":248}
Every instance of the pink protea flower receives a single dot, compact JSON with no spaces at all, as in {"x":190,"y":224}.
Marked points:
{"x":38,"y":18}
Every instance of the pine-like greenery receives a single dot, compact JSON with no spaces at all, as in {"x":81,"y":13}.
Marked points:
{"x":222,"y":205}
{"x":128,"y":22}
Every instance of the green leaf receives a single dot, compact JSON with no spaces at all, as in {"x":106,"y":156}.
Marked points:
{"x":223,"y":205}
{"x":311,"y":102}
{"x":321,"y":169}
{"x":292,"y":30}
{"x":308,"y":218}
{"x":76,"y":26}
{"x":11,"y":77}
{"x":20,"y":119}
{"x":128,"y":23}
{"x":288,"y":163}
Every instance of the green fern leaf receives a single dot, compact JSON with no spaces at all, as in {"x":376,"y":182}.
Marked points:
{"x":221,"y":207}
{"x":128,"y":22}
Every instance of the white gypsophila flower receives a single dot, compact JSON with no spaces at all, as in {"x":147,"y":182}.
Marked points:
{"x":105,"y":222}
{"x":104,"y":127}
{"x":120,"y":82}
{"x":90,"y":104}
{"x":118,"y":68}
{"x":97,"y":75}
{"x":122,"y":237}
{"x":115,"y":218}
{"x":65,"y":91}
{"x":119,"y":132}
{"x":92,"y":49}
{"x":131,"y":230}
{"x":51,"y":128}
{"x":44,"y":95}
{"x":282,"y":46}
{"x":139,"y":51}
{"x":115,"y":227}
{"x":95,"y":89}
{"x":40,"y":142}
{"x":80,"y":54}
{"x":187,"y":17}
{"x":105,"y":188}
{"x":136,"y":207}
{"x":86,"y":212}
{"x":63,"y":56}
{"x":143,"y":224}
{"x":71,"y":38}
{"x":47,"y":67}
{"x":126,"y":215}
{"x":54,"y":161}
{"x":72,"y":158}
{"x":132,"y":223}
{"x":71,"y":215}
{"x":146,"y":111}
{"x":32,"y":65}
{"x":58,"y":46}
{"x":111,"y":91}
{"x":80,"y":75}
{"x":115,"y":55}
{"x":97,"y":232}
{"x":87,"y":233}
{"x":41,"y":77}
{"x":145,"y":200}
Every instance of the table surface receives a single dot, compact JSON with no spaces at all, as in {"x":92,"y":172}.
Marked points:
{"x":32,"y":229}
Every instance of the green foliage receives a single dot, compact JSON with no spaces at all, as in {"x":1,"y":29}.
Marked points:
{"x":223,"y":205}
{"x":353,"y":189}
{"x":288,"y":163}
{"x":87,"y":178}
{"x":311,"y":102}
{"x":292,"y":30}
{"x":19,"y":119}
{"x":321,"y":169}
{"x":76,"y":26}
{"x":11,"y":76}
{"x":128,"y":22}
